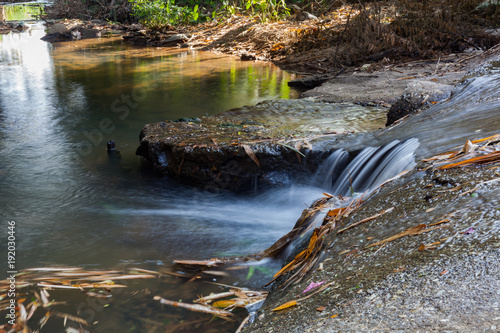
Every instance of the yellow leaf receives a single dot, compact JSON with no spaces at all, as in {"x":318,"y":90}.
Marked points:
{"x":334,"y":316}
{"x":224,"y":303}
{"x":285,"y":306}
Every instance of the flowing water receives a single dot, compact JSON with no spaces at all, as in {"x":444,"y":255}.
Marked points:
{"x":75,"y":205}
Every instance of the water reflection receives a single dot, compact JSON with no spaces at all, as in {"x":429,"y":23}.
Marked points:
{"x":60,"y":103}
{"x":75,"y":205}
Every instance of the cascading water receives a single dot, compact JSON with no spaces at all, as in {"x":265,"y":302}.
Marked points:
{"x":371,"y":167}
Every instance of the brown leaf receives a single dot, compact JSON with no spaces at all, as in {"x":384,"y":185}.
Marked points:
{"x":320,"y":309}
{"x":285,"y":306}
{"x":484,"y":159}
{"x":416,"y":230}
{"x":411,"y":231}
{"x":250,"y":153}
{"x":421,"y":247}
{"x":367,"y":219}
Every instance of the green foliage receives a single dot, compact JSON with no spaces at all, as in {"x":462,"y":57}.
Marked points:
{"x":267,"y":9}
{"x":156,"y":14}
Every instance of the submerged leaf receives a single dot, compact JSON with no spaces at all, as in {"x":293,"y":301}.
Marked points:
{"x":251,"y":270}
{"x":195,"y":307}
{"x":224,"y":303}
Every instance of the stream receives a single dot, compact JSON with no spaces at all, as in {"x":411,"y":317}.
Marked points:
{"x":74,"y":205}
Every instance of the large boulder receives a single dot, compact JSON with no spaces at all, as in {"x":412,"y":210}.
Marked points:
{"x":224,"y":156}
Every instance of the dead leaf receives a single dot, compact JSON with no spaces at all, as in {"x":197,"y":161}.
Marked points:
{"x":224,"y":303}
{"x":320,"y":309}
{"x":367,"y":219}
{"x":285,"y":306}
{"x":251,"y":154}
{"x":208,"y":263}
{"x":469,"y":147}
{"x":484,"y":159}
{"x":334,"y":316}
{"x":411,"y":231}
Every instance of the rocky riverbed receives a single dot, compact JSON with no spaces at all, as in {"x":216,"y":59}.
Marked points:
{"x":449,"y":283}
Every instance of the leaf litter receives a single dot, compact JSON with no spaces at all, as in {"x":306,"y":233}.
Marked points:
{"x":481,"y":151}
{"x":35,"y":283}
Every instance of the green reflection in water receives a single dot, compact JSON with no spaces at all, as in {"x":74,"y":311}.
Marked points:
{"x":178,"y":83}
{"x":97,"y":79}
{"x":20,"y":12}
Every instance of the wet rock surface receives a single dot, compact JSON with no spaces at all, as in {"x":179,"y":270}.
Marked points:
{"x":58,"y":31}
{"x":221,"y":156}
{"x":211,"y":151}
{"x":451,"y":285}
{"x":387,"y":83}
{"x":417,"y":96}
{"x":310,"y":82}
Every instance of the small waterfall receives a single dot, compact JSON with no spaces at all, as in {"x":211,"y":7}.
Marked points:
{"x":331,"y":169}
{"x":371,"y":167}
